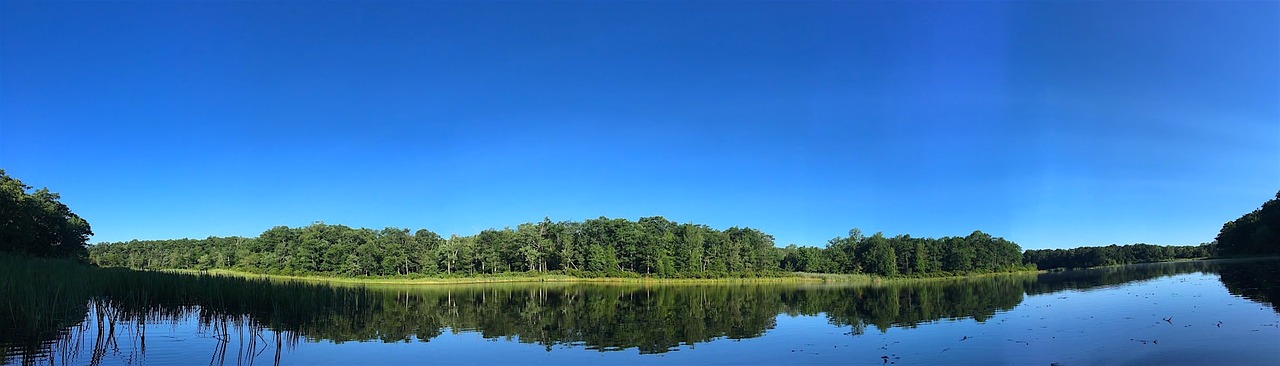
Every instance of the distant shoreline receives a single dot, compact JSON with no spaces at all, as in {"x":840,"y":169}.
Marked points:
{"x":528,"y":278}
{"x":796,"y":277}
{"x":509,"y":278}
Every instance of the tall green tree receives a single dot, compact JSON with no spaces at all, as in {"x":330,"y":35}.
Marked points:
{"x":602,"y":246}
{"x":1254,"y":233}
{"x":37,"y":223}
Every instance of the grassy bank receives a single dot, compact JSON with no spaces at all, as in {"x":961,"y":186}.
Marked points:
{"x":522,"y":277}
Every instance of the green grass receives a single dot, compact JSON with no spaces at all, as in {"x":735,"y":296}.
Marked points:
{"x":512,"y":277}
{"x":839,"y":277}
{"x":873,"y":279}
{"x":40,"y":299}
{"x":533,"y":277}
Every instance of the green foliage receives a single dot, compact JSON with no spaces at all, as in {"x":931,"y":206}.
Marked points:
{"x":904,"y":255}
{"x":651,"y":247}
{"x":1254,"y":234}
{"x":1087,"y":257}
{"x":36,"y":223}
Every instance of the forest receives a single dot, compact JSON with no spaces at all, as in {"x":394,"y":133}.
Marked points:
{"x":35,"y":223}
{"x":1088,"y":257}
{"x":651,"y":246}
{"x":978,"y":252}
{"x":1254,"y":234}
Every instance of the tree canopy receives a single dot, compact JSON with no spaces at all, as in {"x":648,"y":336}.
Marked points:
{"x":650,"y":246}
{"x":1086,"y":257}
{"x":906,"y":255}
{"x":603,"y":246}
{"x":1255,"y":233}
{"x":36,"y":223}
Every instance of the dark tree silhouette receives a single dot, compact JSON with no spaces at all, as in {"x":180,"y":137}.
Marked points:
{"x":36,"y":223}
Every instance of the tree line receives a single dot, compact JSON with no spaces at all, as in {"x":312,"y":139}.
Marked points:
{"x":651,"y":246}
{"x":36,"y":223}
{"x":1087,"y":257}
{"x":978,"y":252}
{"x":603,"y":246}
{"x":1254,"y":234}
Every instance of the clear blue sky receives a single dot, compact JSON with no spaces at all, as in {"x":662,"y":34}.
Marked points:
{"x":1051,"y":124}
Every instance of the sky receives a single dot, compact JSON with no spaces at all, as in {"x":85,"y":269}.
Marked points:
{"x":1051,"y":124}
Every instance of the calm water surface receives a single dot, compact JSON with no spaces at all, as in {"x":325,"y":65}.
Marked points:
{"x":1219,"y":312}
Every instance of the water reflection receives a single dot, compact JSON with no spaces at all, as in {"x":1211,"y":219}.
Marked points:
{"x":1259,"y":281}
{"x":59,"y":317}
{"x":1114,"y":276}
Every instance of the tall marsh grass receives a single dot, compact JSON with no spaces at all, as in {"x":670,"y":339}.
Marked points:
{"x":44,"y":302}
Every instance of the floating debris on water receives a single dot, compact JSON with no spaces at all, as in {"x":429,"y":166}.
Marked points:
{"x":1143,"y":341}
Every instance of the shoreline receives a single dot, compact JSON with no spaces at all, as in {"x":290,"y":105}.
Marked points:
{"x":487,"y":279}
{"x":792,"y":278}
{"x":560,"y":278}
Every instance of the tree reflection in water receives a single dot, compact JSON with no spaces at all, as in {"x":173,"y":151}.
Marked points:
{"x":251,"y":318}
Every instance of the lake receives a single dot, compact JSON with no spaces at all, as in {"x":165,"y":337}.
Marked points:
{"x":1197,"y":313}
